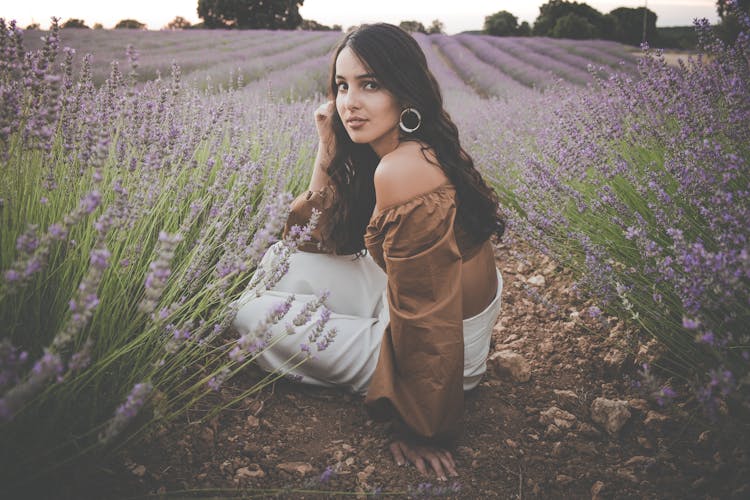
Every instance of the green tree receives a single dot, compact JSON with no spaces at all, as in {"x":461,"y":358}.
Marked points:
{"x":178,"y":23}
{"x":730,"y":25}
{"x":33,"y":26}
{"x":98,"y":26}
{"x":722,"y":7}
{"x":130,"y":24}
{"x":74,"y":23}
{"x":574,"y":26}
{"x":524,"y":29}
{"x":412,"y":26}
{"x":629,"y":27}
{"x":501,"y":23}
{"x":437,"y":27}
{"x":250,"y":14}
{"x":551,"y":12}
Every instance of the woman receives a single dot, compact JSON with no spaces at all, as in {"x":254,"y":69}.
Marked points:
{"x":414,"y":313}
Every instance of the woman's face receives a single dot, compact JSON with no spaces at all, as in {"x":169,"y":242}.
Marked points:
{"x":369,"y":112}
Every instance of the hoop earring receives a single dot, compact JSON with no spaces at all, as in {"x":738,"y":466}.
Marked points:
{"x":401,"y":120}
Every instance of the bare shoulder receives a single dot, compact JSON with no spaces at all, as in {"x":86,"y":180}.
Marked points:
{"x":405,"y":173}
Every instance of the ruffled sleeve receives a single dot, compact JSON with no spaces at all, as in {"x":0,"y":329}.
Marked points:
{"x":418,"y":377}
{"x":301,"y":210}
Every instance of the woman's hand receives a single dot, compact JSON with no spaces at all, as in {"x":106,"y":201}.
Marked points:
{"x":441,"y":460}
{"x":324,"y":124}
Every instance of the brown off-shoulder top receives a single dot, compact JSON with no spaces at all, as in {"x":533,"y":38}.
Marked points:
{"x":427,"y":258}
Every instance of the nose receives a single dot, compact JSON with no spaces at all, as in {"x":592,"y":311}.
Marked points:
{"x":352,"y":99}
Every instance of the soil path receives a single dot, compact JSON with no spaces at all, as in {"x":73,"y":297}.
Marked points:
{"x":532,"y":439}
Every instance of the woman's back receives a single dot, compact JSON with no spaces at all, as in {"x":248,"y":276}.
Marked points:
{"x":407,"y":173}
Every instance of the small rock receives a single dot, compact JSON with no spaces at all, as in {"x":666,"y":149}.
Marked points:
{"x":226,"y":468}
{"x":552,"y":431}
{"x":560,"y":418}
{"x":566,"y":398}
{"x":640,"y":461}
{"x":252,"y":421}
{"x":511,"y":443}
{"x":655,"y":419}
{"x":301,"y":468}
{"x":614,"y":360}
{"x":363,"y":475}
{"x":588,"y":430}
{"x":627,"y":474}
{"x":612,"y":414}
{"x":139,"y":470}
{"x":563,"y":479}
{"x":546,"y":347}
{"x":638,"y":404}
{"x":699,"y":483}
{"x":583,"y":448}
{"x":537,"y":280}
{"x":510,"y":363}
{"x":704,"y":438}
{"x":249,"y":472}
{"x":207,"y":435}
{"x":511,"y":338}
{"x":465,"y":451}
{"x":596,"y":490}
{"x":645,"y":443}
{"x":558,"y":449}
{"x":498,"y":328}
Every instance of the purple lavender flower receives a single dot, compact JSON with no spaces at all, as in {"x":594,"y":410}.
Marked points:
{"x":326,"y":475}
{"x":100,"y":258}
{"x":689,"y":323}
{"x":91,"y":201}
{"x":127,"y":411}
{"x":12,"y":275}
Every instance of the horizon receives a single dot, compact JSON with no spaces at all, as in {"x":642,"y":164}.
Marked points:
{"x":466,"y":16}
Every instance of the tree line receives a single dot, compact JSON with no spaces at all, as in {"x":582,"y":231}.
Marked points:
{"x":632,"y":26}
{"x":557,"y":19}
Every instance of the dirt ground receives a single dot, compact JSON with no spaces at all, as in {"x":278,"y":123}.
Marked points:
{"x":532,"y":439}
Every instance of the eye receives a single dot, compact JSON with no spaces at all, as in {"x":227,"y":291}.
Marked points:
{"x":341,"y":86}
{"x":372,"y":85}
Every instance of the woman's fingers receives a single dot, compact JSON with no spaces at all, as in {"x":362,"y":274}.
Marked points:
{"x":441,"y":461}
{"x":450,"y":465}
{"x":414,"y":457}
{"x":435,"y":461}
{"x":324,"y":111}
{"x":398,"y":455}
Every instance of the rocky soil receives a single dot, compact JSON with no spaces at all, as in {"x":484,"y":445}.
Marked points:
{"x":557,"y":416}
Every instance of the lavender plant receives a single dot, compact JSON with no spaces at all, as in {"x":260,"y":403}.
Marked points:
{"x":643,"y":190}
{"x":132,"y":215}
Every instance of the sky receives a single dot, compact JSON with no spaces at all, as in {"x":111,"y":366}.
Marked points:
{"x":457,"y":15}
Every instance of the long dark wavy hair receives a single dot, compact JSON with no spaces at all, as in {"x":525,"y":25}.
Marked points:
{"x":400,"y":66}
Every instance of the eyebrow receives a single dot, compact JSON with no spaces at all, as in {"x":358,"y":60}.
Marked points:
{"x":360,"y":77}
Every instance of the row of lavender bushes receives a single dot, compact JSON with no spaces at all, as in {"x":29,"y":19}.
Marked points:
{"x":130,"y":218}
{"x":642,"y":186}
{"x":117,"y":202}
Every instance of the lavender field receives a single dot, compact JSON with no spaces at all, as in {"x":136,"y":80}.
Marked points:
{"x":137,"y":197}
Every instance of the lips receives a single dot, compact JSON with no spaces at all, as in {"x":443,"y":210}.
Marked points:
{"x":355,"y":122}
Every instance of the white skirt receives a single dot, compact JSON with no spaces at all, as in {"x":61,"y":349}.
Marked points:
{"x":359,"y":311}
